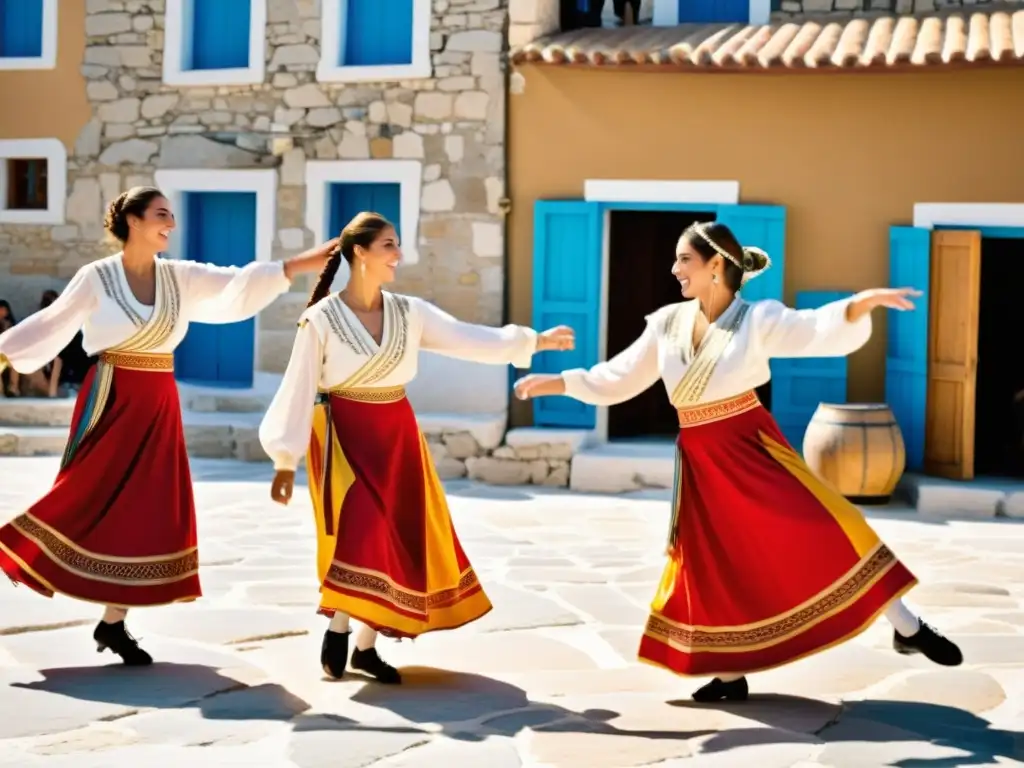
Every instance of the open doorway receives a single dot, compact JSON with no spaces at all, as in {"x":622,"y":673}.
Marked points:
{"x":641,"y":246}
{"x":999,"y":404}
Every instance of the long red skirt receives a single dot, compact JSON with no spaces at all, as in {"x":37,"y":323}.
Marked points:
{"x":118,"y":527}
{"x":387,"y":552}
{"x":769,"y":563}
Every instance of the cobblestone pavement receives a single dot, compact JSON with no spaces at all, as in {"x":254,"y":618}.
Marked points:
{"x":549,"y":678}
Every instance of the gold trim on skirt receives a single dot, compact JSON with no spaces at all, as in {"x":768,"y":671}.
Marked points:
{"x":139,"y":361}
{"x":716,"y":410}
{"x":370,"y":394}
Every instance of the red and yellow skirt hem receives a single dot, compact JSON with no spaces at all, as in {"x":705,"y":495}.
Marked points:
{"x":767,"y":563}
{"x":126,"y":453}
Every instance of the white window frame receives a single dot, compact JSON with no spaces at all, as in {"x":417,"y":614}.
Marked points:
{"x":175,"y":184}
{"x":332,"y":41}
{"x":178,"y":33}
{"x":48,"y":58}
{"x":931,"y":215}
{"x":666,"y":12}
{"x":408,"y":174}
{"x":56,"y":156}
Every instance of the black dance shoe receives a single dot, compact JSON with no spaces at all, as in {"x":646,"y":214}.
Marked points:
{"x":116,"y":638}
{"x":334,"y":653}
{"x":717,"y":690}
{"x":370,"y":662}
{"x":930,"y":642}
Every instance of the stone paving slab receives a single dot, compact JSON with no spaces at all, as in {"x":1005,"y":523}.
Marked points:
{"x":549,"y":679}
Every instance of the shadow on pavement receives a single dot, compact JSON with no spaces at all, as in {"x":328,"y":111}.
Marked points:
{"x":870,"y":721}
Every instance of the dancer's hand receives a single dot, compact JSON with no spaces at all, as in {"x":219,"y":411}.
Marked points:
{"x":539,"y":385}
{"x":890,"y":298}
{"x":561,"y":338}
{"x":282,"y":487}
{"x":312,"y":260}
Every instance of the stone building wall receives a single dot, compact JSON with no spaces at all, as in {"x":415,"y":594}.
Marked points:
{"x":454,"y":123}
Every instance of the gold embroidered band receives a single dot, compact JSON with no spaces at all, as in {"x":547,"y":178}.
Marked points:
{"x":717,"y":410}
{"x":139,"y":361}
{"x":370,"y":394}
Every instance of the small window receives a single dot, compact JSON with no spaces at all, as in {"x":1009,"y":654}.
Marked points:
{"x":347,"y":199}
{"x":215,"y":42}
{"x":33,"y":181}
{"x":376,"y":33}
{"x":21,"y":28}
{"x":379,"y":40}
{"x":26,"y":184}
{"x":28,"y":34}
{"x":220,"y":34}
{"x":336,"y":190}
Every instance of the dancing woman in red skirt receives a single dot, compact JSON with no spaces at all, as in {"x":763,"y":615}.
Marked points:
{"x":767,"y":564}
{"x":387,"y":552}
{"x":118,"y":527}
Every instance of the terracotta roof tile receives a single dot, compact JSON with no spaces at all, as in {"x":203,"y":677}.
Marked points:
{"x":992,"y":36}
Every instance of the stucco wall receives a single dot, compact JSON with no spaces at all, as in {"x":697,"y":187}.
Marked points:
{"x":848,"y":155}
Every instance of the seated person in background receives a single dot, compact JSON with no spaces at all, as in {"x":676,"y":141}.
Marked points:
{"x":45,"y":381}
{"x":73,"y":363}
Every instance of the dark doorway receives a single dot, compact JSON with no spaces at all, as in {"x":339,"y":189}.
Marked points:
{"x":642,"y":245}
{"x":999,"y":409}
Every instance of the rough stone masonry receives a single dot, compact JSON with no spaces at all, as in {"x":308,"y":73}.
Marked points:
{"x":453,"y":122}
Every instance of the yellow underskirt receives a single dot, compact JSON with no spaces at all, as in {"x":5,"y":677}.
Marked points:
{"x":443,"y":573}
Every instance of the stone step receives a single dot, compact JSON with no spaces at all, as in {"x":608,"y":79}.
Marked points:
{"x":207,"y":436}
{"x":981,"y":497}
{"x":36,"y":411}
{"x":623,"y":467}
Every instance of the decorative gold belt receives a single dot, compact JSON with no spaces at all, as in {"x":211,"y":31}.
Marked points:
{"x":369,"y":394}
{"x":716,"y":410}
{"x":138,"y":361}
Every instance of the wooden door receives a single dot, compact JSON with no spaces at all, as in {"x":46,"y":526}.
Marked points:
{"x":953,"y":353}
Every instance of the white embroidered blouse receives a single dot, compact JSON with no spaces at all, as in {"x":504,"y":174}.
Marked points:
{"x":333,"y":350}
{"x":760,"y":331}
{"x":99,"y":302}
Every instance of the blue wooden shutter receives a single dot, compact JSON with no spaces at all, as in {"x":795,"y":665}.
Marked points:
{"x":220,"y":229}
{"x":376,"y":32}
{"x":714,"y":11}
{"x":800,"y":384}
{"x":21,"y":28}
{"x":567,"y":291}
{"x":906,"y":357}
{"x":220,"y":34}
{"x":764,"y":227}
{"x":349,"y":199}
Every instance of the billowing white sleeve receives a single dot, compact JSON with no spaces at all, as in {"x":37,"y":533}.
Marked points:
{"x":625,"y":376}
{"x":447,"y":336}
{"x":40,"y":337}
{"x":285,"y":429}
{"x":230,"y":294}
{"x":822,"y":332}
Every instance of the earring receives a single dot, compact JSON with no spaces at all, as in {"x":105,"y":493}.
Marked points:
{"x":362,"y":268}
{"x":714,"y":278}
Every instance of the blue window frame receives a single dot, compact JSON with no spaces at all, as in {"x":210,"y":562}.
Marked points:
{"x":376,"y":33}
{"x":21,"y":29}
{"x":714,"y":11}
{"x":220,"y":31}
